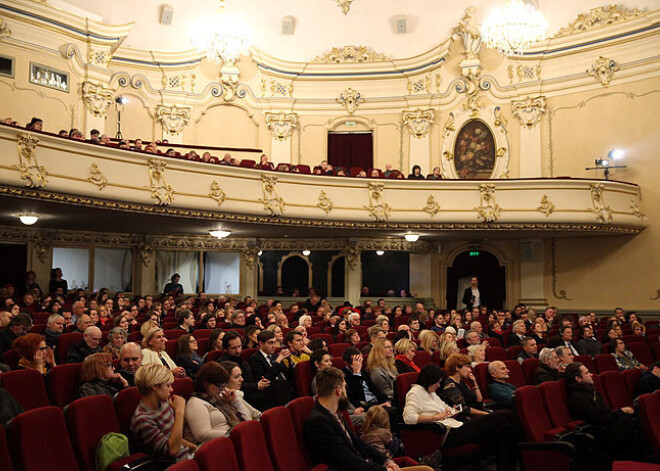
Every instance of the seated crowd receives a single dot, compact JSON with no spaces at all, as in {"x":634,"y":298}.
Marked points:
{"x":137,"y":145}
{"x":245,"y":358}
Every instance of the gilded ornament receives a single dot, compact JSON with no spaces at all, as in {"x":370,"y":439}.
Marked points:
{"x":602,"y":211}
{"x":229,"y":84}
{"x":509,"y":72}
{"x":352,"y":254}
{"x":345,"y":5}
{"x":5,"y":32}
{"x":448,"y":155}
{"x":173,"y":118}
{"x":500,"y":119}
{"x":449,"y":125}
{"x":324,"y":202}
{"x":527,"y":72}
{"x":350,"y":100}
{"x":146,"y":252}
{"x":216,"y":193}
{"x":99,"y":56}
{"x":281,"y":125}
{"x":553,"y":273}
{"x":598,"y":17}
{"x":488,"y":209}
{"x":350,"y":55}
{"x":97,"y":98}
{"x":377,"y":207}
{"x":422,"y":85}
{"x":251,"y":256}
{"x":432,"y":207}
{"x":546,"y":207}
{"x":35,"y":175}
{"x":602,"y":70}
{"x":273,"y":203}
{"x":468,"y":30}
{"x":96,"y":177}
{"x":41,"y":248}
{"x":636,"y":210}
{"x":160,"y":190}
{"x":529,"y":111}
{"x":418,"y":122}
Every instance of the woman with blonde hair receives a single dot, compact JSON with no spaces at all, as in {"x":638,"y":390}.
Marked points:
{"x":153,"y":351}
{"x":382,"y":369}
{"x":149,"y":324}
{"x":98,"y":377}
{"x":279,"y":335}
{"x":428,"y":340}
{"x":405,"y":350}
{"x":477,"y":354}
{"x":446,"y":349}
{"x":383,"y":322}
{"x":116,"y":338}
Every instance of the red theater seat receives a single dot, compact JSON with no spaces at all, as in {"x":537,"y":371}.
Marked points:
{"x":529,"y":368}
{"x":183,"y":387}
{"x":5,"y":457}
{"x":62,"y":382}
{"x":553,"y":394}
{"x":631,"y":378}
{"x":422,"y":358}
{"x":187,"y":465}
{"x":605,"y":362}
{"x":285,"y":450}
{"x":300,"y":408}
{"x":217,"y":455}
{"x":303,"y":378}
{"x":496,"y":354}
{"x":615,"y":389}
{"x":337,"y":349}
{"x":11,"y":358}
{"x":126,"y":401}
{"x":27,"y":387}
{"x":587,"y":361}
{"x":250,"y":447}
{"x":642,"y":352}
{"x":64,"y":341}
{"x":649,"y":411}
{"x":516,"y":376}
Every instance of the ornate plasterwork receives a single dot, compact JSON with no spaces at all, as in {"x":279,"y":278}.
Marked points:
{"x":35,"y":175}
{"x":281,"y":125}
{"x":602,"y":211}
{"x":656,"y":297}
{"x":546,"y":207}
{"x":602,"y":70}
{"x":524,"y":72}
{"x":96,"y":177}
{"x":99,"y":56}
{"x":529,"y":111}
{"x":634,"y":206}
{"x":146,"y":252}
{"x":345,"y":5}
{"x":170,"y":82}
{"x":352,"y":254}
{"x":468,"y":30}
{"x":488,"y":209}
{"x":324,"y":202}
{"x":377,"y":207}
{"x":276,"y":88}
{"x":500,"y":119}
{"x":422,"y":85}
{"x":350,"y":100}
{"x":598,"y":17}
{"x":419,"y":122}
{"x":97,"y":98}
{"x":553,"y":272}
{"x":5,"y":32}
{"x":161,"y":192}
{"x":449,"y":126}
{"x":273,"y":203}
{"x":42,"y":247}
{"x":432,"y":207}
{"x":251,"y":256}
{"x":216,"y":193}
{"x":173,"y":118}
{"x":350,"y":55}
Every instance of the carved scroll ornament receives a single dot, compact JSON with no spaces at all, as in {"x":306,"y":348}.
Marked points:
{"x":281,"y":125}
{"x":418,"y":122}
{"x":529,"y":111}
{"x":173,"y":118}
{"x":35,"y":175}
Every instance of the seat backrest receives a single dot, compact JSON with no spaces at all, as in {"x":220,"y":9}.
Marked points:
{"x":217,"y":455}
{"x":183,"y":387}
{"x":27,"y":387}
{"x":516,"y":376}
{"x":587,"y":361}
{"x":5,"y":457}
{"x":303,"y":377}
{"x":64,"y":341}
{"x":529,"y":368}
{"x":202,"y":333}
{"x":531,"y":413}
{"x":38,"y":439}
{"x":605,"y":362}
{"x":649,"y":411}
{"x":87,"y":420}
{"x":285,"y":451}
{"x":402,"y":385}
{"x":483,"y":378}
{"x":642,"y":352}
{"x":173,"y":334}
{"x":554,"y":400}
{"x":170,"y":348}
{"x":126,"y":401}
{"x":300,"y":408}
{"x":327,"y":337}
{"x":422,"y":358}
{"x":250,"y":447}
{"x":337,"y":349}
{"x":11,"y":358}
{"x":615,"y":389}
{"x":631,"y":379}
{"x":247,"y":353}
{"x":513,"y":352}
{"x":186,"y":465}
{"x":495,"y":354}
{"x":62,"y":382}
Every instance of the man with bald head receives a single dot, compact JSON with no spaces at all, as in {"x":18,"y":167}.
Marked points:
{"x":83,"y":321}
{"x":130,"y":359}
{"x":88,"y":345}
{"x":500,"y":390}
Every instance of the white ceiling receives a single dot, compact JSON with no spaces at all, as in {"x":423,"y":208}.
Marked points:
{"x":319,"y":24}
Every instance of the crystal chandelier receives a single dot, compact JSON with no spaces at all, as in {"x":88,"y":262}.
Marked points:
{"x":221,"y":39}
{"x":514,"y":27}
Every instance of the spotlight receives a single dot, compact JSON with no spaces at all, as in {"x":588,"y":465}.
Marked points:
{"x":306,"y":253}
{"x":380,"y":253}
{"x":607,"y":163}
{"x":219,"y":234}
{"x":28,"y":219}
{"x":616,"y":154}
{"x":122,"y":100}
{"x":410,"y":237}
{"x":260,"y":253}
{"x":602,"y":162}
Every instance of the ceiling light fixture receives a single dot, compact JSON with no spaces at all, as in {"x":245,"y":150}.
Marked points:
{"x":306,"y":253}
{"x":514,"y":27}
{"x":28,"y":219}
{"x":219,"y":234}
{"x":221,"y":38}
{"x":380,"y":253}
{"x":410,"y":237}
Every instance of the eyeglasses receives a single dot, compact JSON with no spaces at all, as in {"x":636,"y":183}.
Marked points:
{"x":43,"y":349}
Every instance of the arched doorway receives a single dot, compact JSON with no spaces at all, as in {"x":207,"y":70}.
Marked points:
{"x":485,"y":266}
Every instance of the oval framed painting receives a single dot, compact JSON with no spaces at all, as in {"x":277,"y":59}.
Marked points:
{"x":474,"y":151}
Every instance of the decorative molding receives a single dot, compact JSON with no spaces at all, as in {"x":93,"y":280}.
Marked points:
{"x":488,"y":209}
{"x":146,"y":252}
{"x":352,"y":254}
{"x":299,"y":254}
{"x":599,"y":17}
{"x":273,"y":203}
{"x":35,"y":175}
{"x":99,"y":56}
{"x":281,"y":125}
{"x":602,"y":70}
{"x":5,"y":32}
{"x":468,"y":31}
{"x":449,"y":126}
{"x":173,"y":81}
{"x":422,"y":85}
{"x":97,"y":98}
{"x":419,"y":122}
{"x":251,"y":256}
{"x":42,"y":247}
{"x":324,"y":202}
{"x":378,"y":209}
{"x":173,"y":118}
{"x":350,"y":55}
{"x":500,"y":119}
{"x":345,"y":5}
{"x":602,"y":211}
{"x":529,"y":111}
{"x":448,"y":155}
{"x":96,"y":177}
{"x":657,"y":296}
{"x":553,"y":272}
{"x":160,"y":190}
{"x":276,"y":88}
{"x":546,"y":207}
{"x":634,"y":206}
{"x":350,"y":100}
{"x":216,"y":193}
{"x":432,"y":207}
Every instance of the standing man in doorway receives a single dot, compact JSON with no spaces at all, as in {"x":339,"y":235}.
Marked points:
{"x":471,"y":295}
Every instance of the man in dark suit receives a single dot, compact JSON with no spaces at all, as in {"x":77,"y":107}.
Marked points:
{"x":472,"y":295}
{"x":565,"y":339}
{"x":265,"y":364}
{"x":359,"y":388}
{"x":331,"y":441}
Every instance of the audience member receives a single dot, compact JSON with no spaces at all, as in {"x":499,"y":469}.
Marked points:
{"x":273,"y":369}
{"x":116,"y":339}
{"x":18,"y":326}
{"x":88,"y":345}
{"x":235,"y":383}
{"x":296,"y":347}
{"x":529,"y":349}
{"x":153,"y":351}
{"x":130,"y":359}
{"x":477,"y":354}
{"x":499,"y":390}
{"x":589,"y":344}
{"x":376,"y":432}
{"x":518,"y":332}
{"x":98,"y":377}
{"x":54,"y":328}
{"x":382,"y":369}
{"x":650,"y":380}
{"x":428,"y":341}
{"x":548,"y":369}
{"x":34,"y":353}
{"x":185,"y":320}
{"x":456,"y":391}
{"x":625,"y":359}
{"x":565,"y":339}
{"x":187,"y":356}
{"x":405,"y":350}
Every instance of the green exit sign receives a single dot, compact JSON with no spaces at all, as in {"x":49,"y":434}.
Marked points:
{"x":474,"y":253}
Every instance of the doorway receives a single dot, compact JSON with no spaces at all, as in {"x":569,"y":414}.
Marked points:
{"x":485,"y":266}
{"x":351,"y":149}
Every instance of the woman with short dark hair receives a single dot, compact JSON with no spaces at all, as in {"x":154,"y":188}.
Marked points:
{"x":187,"y":356}
{"x":98,"y":377}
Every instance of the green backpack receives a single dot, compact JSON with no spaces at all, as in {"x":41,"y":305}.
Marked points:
{"x":112,"y":447}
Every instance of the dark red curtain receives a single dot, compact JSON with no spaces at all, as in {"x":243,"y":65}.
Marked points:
{"x":351,"y":150}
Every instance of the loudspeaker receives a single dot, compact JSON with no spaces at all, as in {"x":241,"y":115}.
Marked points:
{"x":401,"y":25}
{"x":166,"y":14}
{"x":287,"y":25}
{"x":527,"y":252}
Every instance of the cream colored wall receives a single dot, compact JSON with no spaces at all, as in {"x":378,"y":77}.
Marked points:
{"x":603,"y":272}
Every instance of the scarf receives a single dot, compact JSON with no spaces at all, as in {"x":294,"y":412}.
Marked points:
{"x":408,"y":362}
{"x":232,"y":416}
{"x":31,"y":365}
